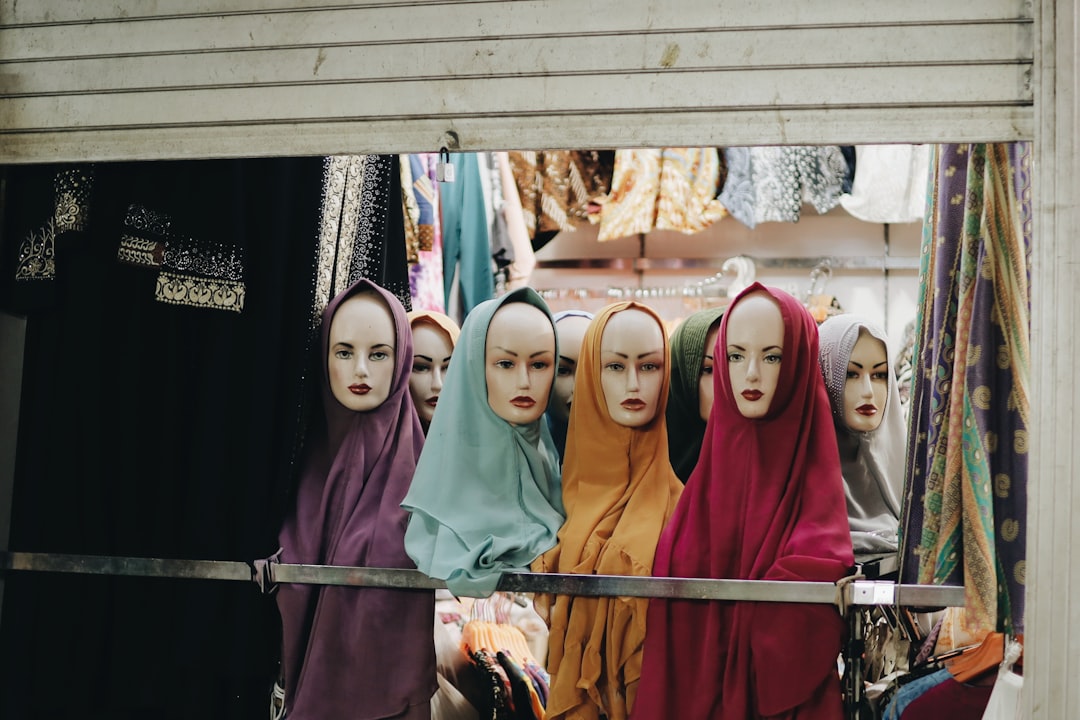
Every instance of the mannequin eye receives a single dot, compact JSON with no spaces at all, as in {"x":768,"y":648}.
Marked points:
{"x":565,"y":370}
{"x":880,"y":376}
{"x":445,"y":366}
{"x":343,"y":354}
{"x":421,"y":368}
{"x":733,"y":357}
{"x":540,"y":365}
{"x":615,"y":367}
{"x":504,"y":364}
{"x":852,"y":374}
{"x":650,"y":366}
{"x":773,"y":358}
{"x":378,"y":355}
{"x":706,"y":370}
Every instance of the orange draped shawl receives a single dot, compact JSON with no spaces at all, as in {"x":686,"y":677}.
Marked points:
{"x":619,"y":489}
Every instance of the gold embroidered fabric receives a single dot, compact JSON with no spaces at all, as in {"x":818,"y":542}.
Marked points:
{"x":178,"y":289}
{"x":71,"y":213}
{"x":139,"y":251}
{"x":37,"y":254}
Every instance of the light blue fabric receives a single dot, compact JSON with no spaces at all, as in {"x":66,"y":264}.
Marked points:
{"x":465,"y":238}
{"x":487,"y":495}
{"x":907,"y":694}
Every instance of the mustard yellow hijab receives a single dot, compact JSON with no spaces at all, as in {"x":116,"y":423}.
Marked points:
{"x":619,"y":490}
{"x":436,"y":319}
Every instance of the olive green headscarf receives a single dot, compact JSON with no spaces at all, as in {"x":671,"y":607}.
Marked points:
{"x":685,"y":426}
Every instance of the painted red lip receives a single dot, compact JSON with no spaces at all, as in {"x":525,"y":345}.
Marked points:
{"x":432,"y":401}
{"x":868,"y":410}
{"x":523,"y":401}
{"x":360,"y":389}
{"x":633,"y":404}
{"x":752,"y":395}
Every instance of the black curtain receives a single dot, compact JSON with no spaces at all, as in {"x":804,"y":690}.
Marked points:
{"x":156,"y":430}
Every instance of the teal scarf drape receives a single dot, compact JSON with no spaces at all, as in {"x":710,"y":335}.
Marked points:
{"x":486,"y":496}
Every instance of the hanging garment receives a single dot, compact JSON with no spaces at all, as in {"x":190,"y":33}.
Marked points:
{"x":686,"y":429}
{"x":872,"y":462}
{"x":618,"y":491}
{"x":765,"y":502}
{"x":362,"y":231}
{"x":770,"y":184}
{"x":53,"y":202}
{"x":555,"y":188}
{"x":426,"y":276}
{"x":466,"y":244}
{"x":908,"y":692}
{"x":949,"y":699}
{"x":524,"y":260}
{"x":356,"y":471}
{"x":890,"y":183}
{"x":194,"y":459}
{"x":465,"y":527}
{"x":968,"y":445}
{"x":666,"y":189}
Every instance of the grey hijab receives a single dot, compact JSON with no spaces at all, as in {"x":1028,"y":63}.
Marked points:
{"x":872,"y":462}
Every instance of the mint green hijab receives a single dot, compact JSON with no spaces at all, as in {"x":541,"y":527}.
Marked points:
{"x":486,"y":497}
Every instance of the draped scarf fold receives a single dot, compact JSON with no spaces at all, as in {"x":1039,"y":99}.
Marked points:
{"x":765,"y":502}
{"x":618,"y":490}
{"x":486,"y":497}
{"x":967,"y":466}
{"x":355,"y":474}
{"x":872,"y":462}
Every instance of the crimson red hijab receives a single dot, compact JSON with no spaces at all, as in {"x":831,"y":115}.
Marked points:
{"x":765,"y":502}
{"x":345,"y":647}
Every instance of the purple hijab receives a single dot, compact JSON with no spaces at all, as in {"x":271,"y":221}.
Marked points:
{"x":357,"y":653}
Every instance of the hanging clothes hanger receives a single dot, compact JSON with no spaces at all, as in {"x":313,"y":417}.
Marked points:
{"x":820,"y":303}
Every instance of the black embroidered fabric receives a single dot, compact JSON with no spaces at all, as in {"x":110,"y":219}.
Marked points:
{"x":155,"y":430}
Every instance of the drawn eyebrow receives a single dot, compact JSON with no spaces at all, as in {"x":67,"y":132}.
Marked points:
{"x":572,"y":361}
{"x":860,"y":366}
{"x":624,"y":355}
{"x":424,"y":357}
{"x":541,"y":352}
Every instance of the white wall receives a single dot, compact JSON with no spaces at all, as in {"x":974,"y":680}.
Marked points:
{"x":886,"y":297}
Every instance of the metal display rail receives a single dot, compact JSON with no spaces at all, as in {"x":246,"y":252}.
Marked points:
{"x":857,"y":592}
{"x":846,"y":595}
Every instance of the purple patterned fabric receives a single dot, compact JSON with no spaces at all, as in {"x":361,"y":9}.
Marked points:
{"x":967,"y":479}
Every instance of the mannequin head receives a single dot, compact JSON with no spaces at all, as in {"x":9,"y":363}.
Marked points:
{"x":705,"y":380}
{"x":755,"y":349}
{"x":632,"y":367}
{"x":867,"y":387}
{"x":519,"y":362}
{"x":432,"y":347}
{"x":571,"y":331}
{"x":360,"y":357}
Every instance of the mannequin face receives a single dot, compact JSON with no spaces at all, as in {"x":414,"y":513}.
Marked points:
{"x":519,"y":362}
{"x":571,"y":332}
{"x":632,"y":367}
{"x":361,"y":354}
{"x":431,"y":357}
{"x":755,"y":349}
{"x":705,"y":382}
{"x":867,"y":388}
